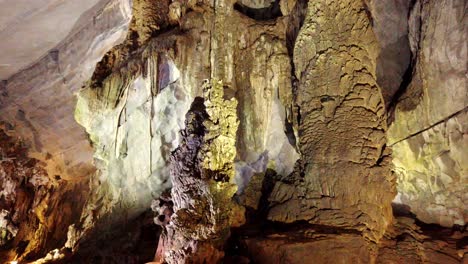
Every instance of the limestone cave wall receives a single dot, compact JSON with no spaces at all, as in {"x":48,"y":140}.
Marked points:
{"x":286,"y":131}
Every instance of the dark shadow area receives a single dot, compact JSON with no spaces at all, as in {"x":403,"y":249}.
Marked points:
{"x":402,"y":210}
{"x":266,"y":13}
{"x":132,"y":242}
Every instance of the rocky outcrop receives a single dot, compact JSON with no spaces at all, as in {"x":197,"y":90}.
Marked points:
{"x":39,"y":101}
{"x":203,"y":186}
{"x":344,"y":177}
{"x":34,"y":209}
{"x":321,"y":248}
{"x":297,"y":141}
{"x":37,"y":104}
{"x":428,"y":134}
{"x":406,"y":242}
{"x":410,"y":241}
{"x":135,"y":105}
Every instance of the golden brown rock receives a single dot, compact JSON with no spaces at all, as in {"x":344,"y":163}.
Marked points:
{"x":344,"y":176}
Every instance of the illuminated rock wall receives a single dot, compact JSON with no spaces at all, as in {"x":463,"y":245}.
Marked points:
{"x":344,"y":177}
{"x":429,"y":132}
{"x":203,"y":186}
{"x":316,"y":116}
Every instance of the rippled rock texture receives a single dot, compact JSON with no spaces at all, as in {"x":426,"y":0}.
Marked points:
{"x":341,"y":125}
{"x":257,"y":131}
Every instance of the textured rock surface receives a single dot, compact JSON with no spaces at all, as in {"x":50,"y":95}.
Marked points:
{"x":410,"y":242}
{"x":34,"y":209}
{"x":202,"y":174}
{"x":39,"y":101}
{"x":37,"y":104}
{"x":406,"y":242}
{"x":321,"y":248}
{"x":133,"y":140}
{"x":429,"y":132}
{"x":136,"y":102}
{"x":296,"y":132}
{"x":344,"y":176}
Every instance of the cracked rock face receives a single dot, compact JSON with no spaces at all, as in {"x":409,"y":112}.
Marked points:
{"x":341,"y":126}
{"x":258,"y":131}
{"x":429,"y":132}
{"x":202,"y":175}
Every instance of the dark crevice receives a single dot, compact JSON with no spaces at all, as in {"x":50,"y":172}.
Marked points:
{"x":407,"y":76}
{"x":405,"y":83}
{"x":368,"y":13}
{"x":433,"y":125}
{"x":289,"y":131}
{"x":382,"y":155}
{"x":402,"y":210}
{"x":411,"y":6}
{"x":296,"y":20}
{"x":267,"y":13}
{"x":298,"y":115}
{"x":295,"y":23}
{"x":326,"y":98}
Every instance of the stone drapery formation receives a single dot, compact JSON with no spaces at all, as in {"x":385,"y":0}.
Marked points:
{"x":134,"y":107}
{"x":344,"y":177}
{"x":328,"y":111}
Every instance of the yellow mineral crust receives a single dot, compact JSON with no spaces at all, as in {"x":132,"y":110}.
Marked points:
{"x":222,"y":128}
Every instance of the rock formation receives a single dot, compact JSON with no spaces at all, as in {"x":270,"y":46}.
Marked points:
{"x":202,"y":176}
{"x":35,"y":209}
{"x":341,"y":126}
{"x":287,"y":131}
{"x":428,"y":134}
